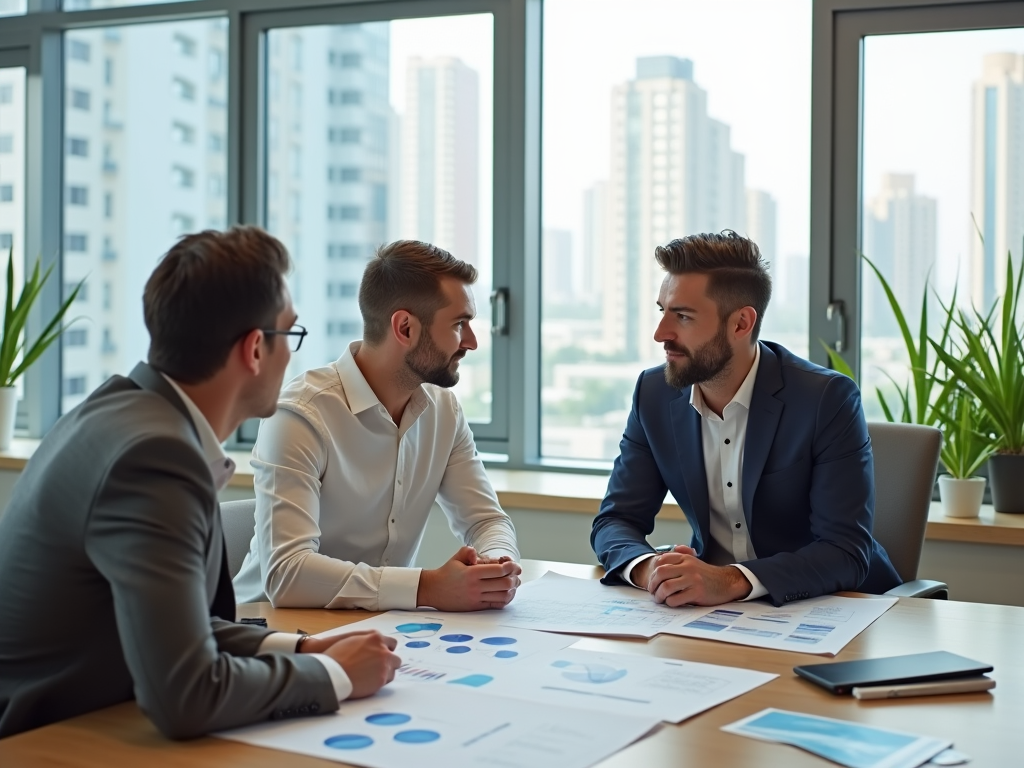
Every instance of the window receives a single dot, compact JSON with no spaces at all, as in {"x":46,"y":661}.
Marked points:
{"x":679,"y":146}
{"x":83,"y":292}
{"x":80,"y":99}
{"x":108,"y":72}
{"x":342,"y":290}
{"x":183,"y":89}
{"x":78,"y":195}
{"x":6,"y":193}
{"x":183,"y":133}
{"x":184,"y":46}
{"x":183,"y":177}
{"x":76,"y":337}
{"x":78,"y":50}
{"x":153,"y":132}
{"x":408,"y":155}
{"x":6,"y":144}
{"x":76,"y":243}
{"x":6,"y":94}
{"x":348,"y":251}
{"x":77,"y":147}
{"x":216,"y":63}
{"x":74,"y":386}
{"x":6,"y":241}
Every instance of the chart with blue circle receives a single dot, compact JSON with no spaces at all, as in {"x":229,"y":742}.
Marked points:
{"x":386,"y":722}
{"x":589,"y":673}
{"x":424,"y":635}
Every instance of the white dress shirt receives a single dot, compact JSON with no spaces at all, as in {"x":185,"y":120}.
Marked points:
{"x":222,"y":468}
{"x":723,"y":439}
{"x":343,"y":494}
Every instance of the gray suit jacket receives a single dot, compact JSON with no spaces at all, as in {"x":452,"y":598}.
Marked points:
{"x":112,"y":574}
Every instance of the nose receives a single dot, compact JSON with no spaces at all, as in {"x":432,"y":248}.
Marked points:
{"x":468,"y":337}
{"x":662,"y":332}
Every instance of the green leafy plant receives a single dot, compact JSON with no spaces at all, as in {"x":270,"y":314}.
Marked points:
{"x":966,"y":438}
{"x":16,"y":355}
{"x":991,"y":367}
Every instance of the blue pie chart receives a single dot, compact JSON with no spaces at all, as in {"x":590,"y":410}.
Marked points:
{"x":456,"y":638}
{"x":388,"y":718}
{"x":417,"y":737}
{"x":498,"y":641}
{"x":506,"y":654}
{"x":348,"y":741}
{"x":417,"y":644}
{"x":458,"y":649}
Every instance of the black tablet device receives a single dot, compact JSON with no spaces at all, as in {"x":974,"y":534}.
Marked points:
{"x":842,"y":676}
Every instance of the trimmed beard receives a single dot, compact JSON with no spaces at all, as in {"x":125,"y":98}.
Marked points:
{"x":431,"y":365}
{"x":705,"y":364}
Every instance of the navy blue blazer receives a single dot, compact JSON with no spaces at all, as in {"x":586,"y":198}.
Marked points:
{"x":808,"y":480}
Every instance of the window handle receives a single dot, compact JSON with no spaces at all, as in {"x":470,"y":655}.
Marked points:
{"x":499,"y":312}
{"x":835,"y":312}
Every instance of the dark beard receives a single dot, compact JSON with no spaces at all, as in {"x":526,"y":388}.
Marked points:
{"x":707,"y":363}
{"x":431,"y":365}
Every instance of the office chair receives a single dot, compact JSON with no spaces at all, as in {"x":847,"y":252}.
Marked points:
{"x":906,"y":461}
{"x":239,"y":521}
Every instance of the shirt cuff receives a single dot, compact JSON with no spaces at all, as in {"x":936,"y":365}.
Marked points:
{"x":278,"y":642}
{"x":756,"y":587}
{"x":499,"y":552}
{"x":628,"y":570}
{"x":342,"y":685}
{"x":398,"y":589}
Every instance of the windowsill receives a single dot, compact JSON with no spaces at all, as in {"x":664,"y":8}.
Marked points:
{"x":582,"y":493}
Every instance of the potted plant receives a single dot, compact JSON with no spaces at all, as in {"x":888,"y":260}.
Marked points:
{"x":965,"y":447}
{"x":992,"y":370}
{"x":16,"y":354}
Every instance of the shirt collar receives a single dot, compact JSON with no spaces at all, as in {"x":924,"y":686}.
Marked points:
{"x":743,"y":395}
{"x":360,"y":395}
{"x":221,"y":466}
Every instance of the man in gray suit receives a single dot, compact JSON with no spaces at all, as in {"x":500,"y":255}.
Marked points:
{"x":113,"y":576}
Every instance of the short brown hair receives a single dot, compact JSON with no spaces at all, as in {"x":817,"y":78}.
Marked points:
{"x":406,"y":274}
{"x":208,"y":291}
{"x":737,"y":274}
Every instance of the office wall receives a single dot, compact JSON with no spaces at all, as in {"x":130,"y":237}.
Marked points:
{"x":975,"y":572}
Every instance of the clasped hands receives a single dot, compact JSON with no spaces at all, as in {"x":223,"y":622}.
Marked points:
{"x":680,"y":577}
{"x":470,"y":582}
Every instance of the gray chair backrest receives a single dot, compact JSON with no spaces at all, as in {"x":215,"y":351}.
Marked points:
{"x":239,"y":521}
{"x":906,"y":461}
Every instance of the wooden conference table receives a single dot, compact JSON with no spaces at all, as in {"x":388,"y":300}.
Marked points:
{"x":986,"y":726}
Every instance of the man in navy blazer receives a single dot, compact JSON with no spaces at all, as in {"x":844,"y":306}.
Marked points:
{"x":767,"y":454}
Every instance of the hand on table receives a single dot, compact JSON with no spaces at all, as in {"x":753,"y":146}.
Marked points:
{"x":365,"y":656}
{"x":679,"y":578}
{"x":470,"y":582}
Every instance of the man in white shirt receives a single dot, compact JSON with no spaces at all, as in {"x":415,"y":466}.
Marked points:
{"x":113,"y":575}
{"x":767,"y":453}
{"x":348,"y":468}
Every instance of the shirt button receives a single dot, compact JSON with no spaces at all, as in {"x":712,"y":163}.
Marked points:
{"x":399,"y":482}
{"x":729,"y":484}
{"x":739,"y":525}
{"x":392,"y":519}
{"x":727,"y":441}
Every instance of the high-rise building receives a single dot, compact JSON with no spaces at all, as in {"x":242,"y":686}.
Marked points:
{"x":762,"y":216}
{"x":595,"y":242}
{"x":440,"y":155}
{"x":557,"y":272}
{"x":673,"y":173}
{"x":12,"y":164}
{"x":997,"y":173}
{"x":900,"y":237}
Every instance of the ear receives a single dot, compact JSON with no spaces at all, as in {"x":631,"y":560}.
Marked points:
{"x":251,"y":351}
{"x":405,"y":328}
{"x":743,"y":320}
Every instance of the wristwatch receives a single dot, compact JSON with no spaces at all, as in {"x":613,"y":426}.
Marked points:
{"x":300,"y":641}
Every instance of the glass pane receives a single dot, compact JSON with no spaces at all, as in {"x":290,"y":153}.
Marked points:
{"x":943,"y":181}
{"x":13,"y":7}
{"x":12,"y":173}
{"x":675,"y":128}
{"x":85,"y":5}
{"x":145,"y":117}
{"x":377,"y":132}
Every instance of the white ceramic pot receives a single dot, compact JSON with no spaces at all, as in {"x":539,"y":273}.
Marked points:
{"x":8,"y":412}
{"x":961,"y":498}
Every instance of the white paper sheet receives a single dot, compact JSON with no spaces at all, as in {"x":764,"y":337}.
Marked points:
{"x":851,"y":744}
{"x":820,"y":625}
{"x":626,"y":684}
{"x":437,"y":727}
{"x":456,"y":648}
{"x":537,"y":666}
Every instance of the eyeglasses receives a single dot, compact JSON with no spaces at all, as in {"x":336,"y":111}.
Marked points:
{"x":295,"y":335}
